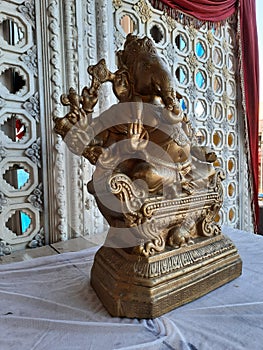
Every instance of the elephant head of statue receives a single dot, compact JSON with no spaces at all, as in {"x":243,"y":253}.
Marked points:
{"x":148,"y":74}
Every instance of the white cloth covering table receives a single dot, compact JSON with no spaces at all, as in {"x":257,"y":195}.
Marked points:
{"x":47,"y":303}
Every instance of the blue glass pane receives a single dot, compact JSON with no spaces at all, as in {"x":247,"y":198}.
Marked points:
{"x":25,"y":221}
{"x":200,"y":50}
{"x":22,"y":178}
{"x":181,"y":75}
{"x":183,"y":105}
{"x":182,"y":44}
{"x":199,"y":78}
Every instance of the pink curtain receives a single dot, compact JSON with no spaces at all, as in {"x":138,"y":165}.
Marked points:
{"x":216,"y":11}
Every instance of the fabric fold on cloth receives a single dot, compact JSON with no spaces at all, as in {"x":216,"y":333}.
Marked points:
{"x":47,"y":303}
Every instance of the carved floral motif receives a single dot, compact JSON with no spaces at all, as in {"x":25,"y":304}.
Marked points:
{"x":225,"y":152}
{"x":210,"y":38}
{"x":192,"y":32}
{"x":225,"y":99}
{"x":225,"y":72}
{"x":38,"y":240}
{"x":118,"y":39}
{"x":192,"y":92}
{"x":35,"y":197}
{"x":33,"y":152}
{"x":210,"y":124}
{"x":5,"y":248}
{"x":210,"y":67}
{"x":171,"y":23}
{"x":225,"y":45}
{"x":209,"y":95}
{"x":32,"y":106}
{"x":170,"y":54}
{"x":28,"y":10}
{"x":192,"y":61}
{"x":116,"y":3}
{"x":143,"y":10}
{"x":30,"y":59}
{"x":3,"y":152}
{"x":3,"y":201}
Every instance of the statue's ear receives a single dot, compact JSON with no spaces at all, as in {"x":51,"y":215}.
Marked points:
{"x":121,"y":77}
{"x":124,"y":74}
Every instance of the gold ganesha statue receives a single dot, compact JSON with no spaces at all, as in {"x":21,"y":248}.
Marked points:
{"x":157,"y":188}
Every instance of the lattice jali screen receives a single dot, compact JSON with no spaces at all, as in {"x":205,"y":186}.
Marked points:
{"x":204,"y":64}
{"x":20,"y":158}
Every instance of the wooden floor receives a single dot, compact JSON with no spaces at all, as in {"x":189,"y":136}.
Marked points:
{"x":72,"y":245}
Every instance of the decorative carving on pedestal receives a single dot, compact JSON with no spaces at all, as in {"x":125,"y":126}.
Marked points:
{"x":158,"y":190}
{"x":150,"y":287}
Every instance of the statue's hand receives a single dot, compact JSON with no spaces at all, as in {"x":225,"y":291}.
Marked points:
{"x":84,"y":120}
{"x":138,"y":136}
{"x":204,"y":153}
{"x":92,"y":153}
{"x":211,"y":156}
{"x":89,"y":98}
{"x":80,"y":135}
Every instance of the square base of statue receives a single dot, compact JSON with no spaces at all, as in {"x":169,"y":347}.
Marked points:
{"x":146,"y":287}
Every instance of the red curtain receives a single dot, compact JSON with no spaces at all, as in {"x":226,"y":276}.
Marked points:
{"x":250,"y":64}
{"x":207,"y":10}
{"x":216,"y":11}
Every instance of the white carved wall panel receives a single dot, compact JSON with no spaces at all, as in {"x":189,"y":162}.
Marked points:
{"x":46,"y":47}
{"x":72,"y":36}
{"x":20,"y":145}
{"x":96,"y":30}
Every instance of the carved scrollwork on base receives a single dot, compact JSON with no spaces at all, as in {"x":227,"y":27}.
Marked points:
{"x":160,"y":221}
{"x":130,"y":195}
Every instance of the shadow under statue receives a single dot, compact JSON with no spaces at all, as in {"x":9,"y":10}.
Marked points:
{"x":157,"y":188}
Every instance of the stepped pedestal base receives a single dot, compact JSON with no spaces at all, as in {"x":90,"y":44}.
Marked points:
{"x":139,"y":287}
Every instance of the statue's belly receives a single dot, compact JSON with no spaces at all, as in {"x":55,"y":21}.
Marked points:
{"x":178,"y":154}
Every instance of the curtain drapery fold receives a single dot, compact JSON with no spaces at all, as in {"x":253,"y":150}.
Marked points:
{"x":216,"y":11}
{"x":250,"y":66}
{"x":207,"y":10}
